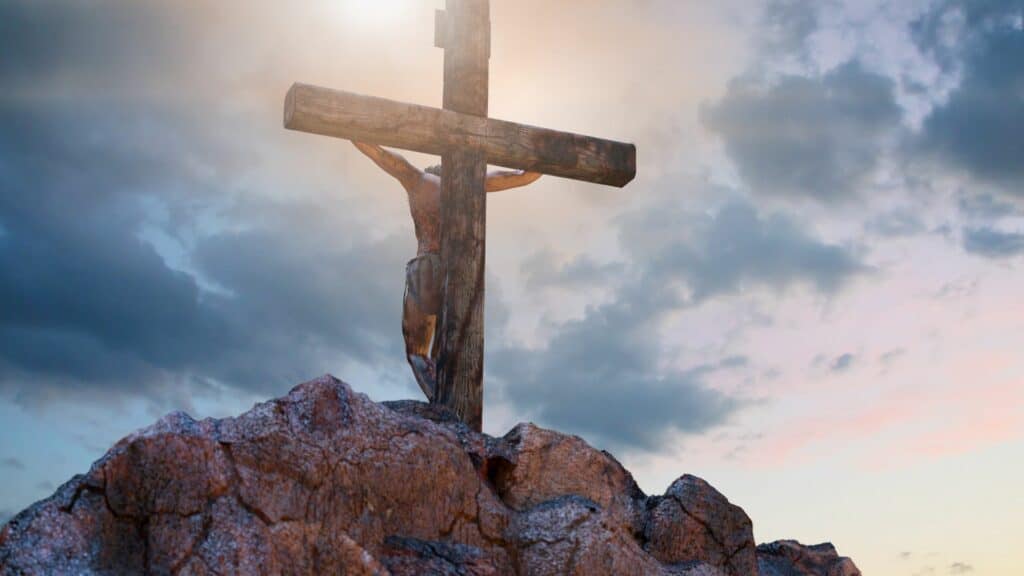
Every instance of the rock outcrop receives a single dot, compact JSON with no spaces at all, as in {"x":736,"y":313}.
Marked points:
{"x":787,"y":557}
{"x":325,"y":481}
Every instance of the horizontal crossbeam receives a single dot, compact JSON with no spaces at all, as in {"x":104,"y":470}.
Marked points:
{"x":434,"y":131}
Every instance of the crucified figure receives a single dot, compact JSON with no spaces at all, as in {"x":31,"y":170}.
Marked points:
{"x":424,"y":275}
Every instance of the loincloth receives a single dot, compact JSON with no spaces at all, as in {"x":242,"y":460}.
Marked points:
{"x":424,"y":277}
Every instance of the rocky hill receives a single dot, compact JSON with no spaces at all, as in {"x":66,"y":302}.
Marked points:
{"x":325,"y":481}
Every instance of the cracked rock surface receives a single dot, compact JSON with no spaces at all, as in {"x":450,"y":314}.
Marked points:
{"x":325,"y":481}
{"x":787,"y":557}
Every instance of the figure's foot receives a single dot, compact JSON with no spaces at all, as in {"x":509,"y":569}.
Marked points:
{"x":426,"y":375}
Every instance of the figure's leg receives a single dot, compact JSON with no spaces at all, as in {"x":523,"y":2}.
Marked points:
{"x":435,"y":348}
{"x":418,"y":330}
{"x":430,"y":301}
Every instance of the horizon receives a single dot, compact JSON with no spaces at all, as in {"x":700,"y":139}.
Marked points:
{"x":808,"y":297}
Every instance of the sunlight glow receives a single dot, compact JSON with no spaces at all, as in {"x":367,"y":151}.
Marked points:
{"x":373,"y":12}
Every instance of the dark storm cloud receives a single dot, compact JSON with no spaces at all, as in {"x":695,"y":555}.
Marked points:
{"x":978,"y":129}
{"x":814,"y":137}
{"x":987,"y":207}
{"x":734,"y":249}
{"x":942,"y":31}
{"x":680,"y":257}
{"x":90,"y":304}
{"x":600,"y":376}
{"x":84,"y":297}
{"x":86,"y":303}
{"x":992,"y":243}
{"x":103,"y":40}
{"x":788,"y":24}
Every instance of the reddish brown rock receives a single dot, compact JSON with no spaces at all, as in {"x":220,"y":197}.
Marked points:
{"x":531,"y":465}
{"x":324,"y":481}
{"x":693,"y":521}
{"x":790,"y":558}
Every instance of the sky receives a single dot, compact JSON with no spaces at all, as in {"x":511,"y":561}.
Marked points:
{"x":809,"y":296}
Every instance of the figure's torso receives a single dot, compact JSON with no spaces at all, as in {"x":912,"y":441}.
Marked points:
{"x":425,"y":206}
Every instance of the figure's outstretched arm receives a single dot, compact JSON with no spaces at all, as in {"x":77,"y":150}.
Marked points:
{"x":498,"y":180}
{"x":392,"y":163}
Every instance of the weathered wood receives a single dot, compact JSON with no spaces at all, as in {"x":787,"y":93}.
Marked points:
{"x":460,"y":362}
{"x":433,"y":131}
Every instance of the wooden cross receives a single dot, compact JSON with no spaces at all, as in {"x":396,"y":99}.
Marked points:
{"x":467,"y":140}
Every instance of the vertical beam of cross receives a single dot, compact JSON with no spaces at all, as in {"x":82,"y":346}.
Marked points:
{"x":464,"y":33}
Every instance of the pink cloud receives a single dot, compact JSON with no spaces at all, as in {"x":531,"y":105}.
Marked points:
{"x":977,"y":417}
{"x":942,"y":423}
{"x":793,"y":440}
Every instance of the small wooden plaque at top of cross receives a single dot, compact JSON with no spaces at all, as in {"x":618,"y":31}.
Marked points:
{"x":467,"y":140}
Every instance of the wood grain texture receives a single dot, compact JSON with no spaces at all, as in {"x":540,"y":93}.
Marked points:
{"x":460,"y":362}
{"x":430,"y":130}
{"x":467,"y":56}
